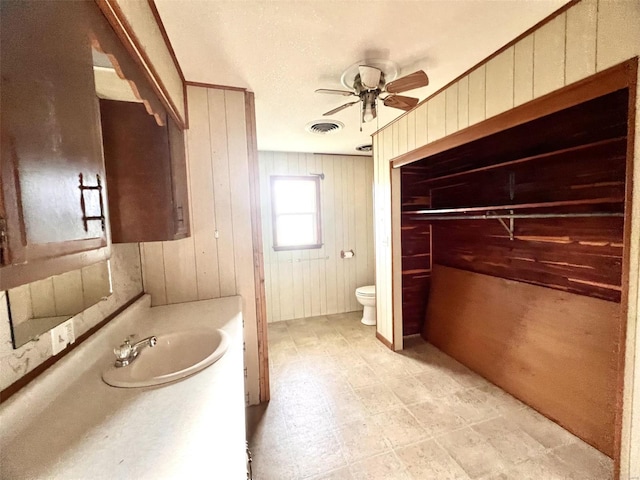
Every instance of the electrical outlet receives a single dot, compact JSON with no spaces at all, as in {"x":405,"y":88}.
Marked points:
{"x":61,"y":336}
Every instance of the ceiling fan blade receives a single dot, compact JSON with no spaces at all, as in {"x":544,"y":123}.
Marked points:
{"x":401,"y":102}
{"x":346,"y":93}
{"x":340,"y":108}
{"x":415,"y":80}
{"x":369,"y":76}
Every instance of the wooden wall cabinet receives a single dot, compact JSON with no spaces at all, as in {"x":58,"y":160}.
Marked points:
{"x":50,"y":139}
{"x":146,"y":174}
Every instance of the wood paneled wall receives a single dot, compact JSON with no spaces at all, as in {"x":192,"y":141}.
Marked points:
{"x":589,"y":37}
{"x":217,"y":260}
{"x":510,"y":333}
{"x":417,"y":257}
{"x":382,"y":153}
{"x":307,"y":283}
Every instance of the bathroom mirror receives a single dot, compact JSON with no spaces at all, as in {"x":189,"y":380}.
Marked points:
{"x":36,"y":308}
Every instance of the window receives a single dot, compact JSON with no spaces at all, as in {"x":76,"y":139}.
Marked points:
{"x":295,"y":203}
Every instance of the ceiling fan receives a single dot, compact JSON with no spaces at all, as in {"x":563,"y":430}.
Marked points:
{"x":369,"y":84}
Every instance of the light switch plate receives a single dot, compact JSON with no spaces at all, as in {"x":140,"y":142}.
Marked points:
{"x":58,"y":339}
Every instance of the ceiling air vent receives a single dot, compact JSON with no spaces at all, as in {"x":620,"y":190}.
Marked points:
{"x":365,"y":147}
{"x":322,"y":127}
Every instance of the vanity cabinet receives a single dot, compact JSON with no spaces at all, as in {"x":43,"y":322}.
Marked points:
{"x":146,"y":174}
{"x":52,"y":186}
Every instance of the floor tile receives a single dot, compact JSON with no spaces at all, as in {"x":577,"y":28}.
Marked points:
{"x":346,"y":407}
{"x":409,"y":389}
{"x":377,"y":398}
{"x":383,"y":467}
{"x":462,"y":374}
{"x":468,"y":407}
{"x":400,"y":427}
{"x":514,"y":444}
{"x":549,"y":434}
{"x":546,"y":466}
{"x":498,"y":399}
{"x":316,"y":452}
{"x":341,"y":474}
{"x":472,"y":452}
{"x":428,"y":461}
{"x":361,"y":376}
{"x":362,"y":439}
{"x":583,"y":458}
{"x":274,"y":463}
{"x":438,"y":383}
{"x":435,"y":418}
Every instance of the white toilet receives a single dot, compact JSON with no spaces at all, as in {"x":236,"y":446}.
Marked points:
{"x":367,"y":298}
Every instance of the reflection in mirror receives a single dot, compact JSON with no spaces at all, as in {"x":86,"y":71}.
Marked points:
{"x":37,"y":307}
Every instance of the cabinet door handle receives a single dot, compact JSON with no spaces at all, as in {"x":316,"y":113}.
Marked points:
{"x":86,"y":219}
{"x":180,"y":214}
{"x":4,"y":243}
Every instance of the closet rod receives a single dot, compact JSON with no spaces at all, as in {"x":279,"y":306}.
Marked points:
{"x":493,"y":216}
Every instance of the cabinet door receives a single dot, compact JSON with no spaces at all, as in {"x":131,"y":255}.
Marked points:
{"x":146,"y":174}
{"x":51,"y":142}
{"x":179,"y":180}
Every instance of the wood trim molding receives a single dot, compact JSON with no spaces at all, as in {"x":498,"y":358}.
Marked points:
{"x":125,"y":32}
{"x":524,"y":34}
{"x":163,"y":31}
{"x":626,"y":267}
{"x":615,"y":78}
{"x":258,"y":257}
{"x":384,"y":341}
{"x":213,"y":85}
{"x":40,"y":369}
{"x":172,"y":52}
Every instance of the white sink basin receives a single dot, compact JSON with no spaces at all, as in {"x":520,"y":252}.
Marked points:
{"x":175,"y":356}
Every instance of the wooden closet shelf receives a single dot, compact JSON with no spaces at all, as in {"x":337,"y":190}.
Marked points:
{"x":576,"y":149}
{"x":520,"y":206}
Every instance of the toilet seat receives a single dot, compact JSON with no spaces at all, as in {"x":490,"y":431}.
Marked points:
{"x":366,"y":291}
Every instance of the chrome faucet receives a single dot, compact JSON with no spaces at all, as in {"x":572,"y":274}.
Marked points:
{"x":127,"y":353}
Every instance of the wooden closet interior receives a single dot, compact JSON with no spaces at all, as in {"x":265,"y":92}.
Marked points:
{"x":513,"y":252}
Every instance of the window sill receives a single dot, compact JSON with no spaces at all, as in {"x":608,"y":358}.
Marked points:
{"x":298,"y":247}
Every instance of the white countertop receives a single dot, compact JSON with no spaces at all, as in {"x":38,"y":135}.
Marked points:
{"x":68,"y":424}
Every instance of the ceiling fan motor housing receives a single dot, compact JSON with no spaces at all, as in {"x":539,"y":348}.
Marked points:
{"x":359,"y":87}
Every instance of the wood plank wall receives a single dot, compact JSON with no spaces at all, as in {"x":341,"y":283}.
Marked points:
{"x":416,"y":250}
{"x":589,"y":37}
{"x":217,"y":260}
{"x":510,"y":334}
{"x":308,"y":283}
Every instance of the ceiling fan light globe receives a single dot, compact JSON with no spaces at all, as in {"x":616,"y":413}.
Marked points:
{"x":370,"y":77}
{"x":368,"y":113}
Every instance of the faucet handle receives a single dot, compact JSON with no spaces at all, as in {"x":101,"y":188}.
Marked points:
{"x":124,"y":350}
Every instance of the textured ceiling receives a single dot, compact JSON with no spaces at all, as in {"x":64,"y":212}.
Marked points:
{"x":283,"y":50}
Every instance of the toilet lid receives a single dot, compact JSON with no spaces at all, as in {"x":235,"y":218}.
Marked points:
{"x":366,"y":291}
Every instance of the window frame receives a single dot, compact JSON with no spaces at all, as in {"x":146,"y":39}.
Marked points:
{"x":275,"y":215}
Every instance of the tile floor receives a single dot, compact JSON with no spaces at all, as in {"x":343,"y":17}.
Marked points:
{"x":344,"y":407}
